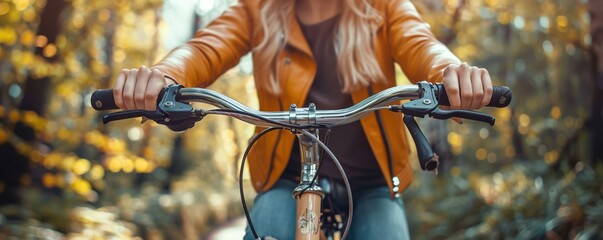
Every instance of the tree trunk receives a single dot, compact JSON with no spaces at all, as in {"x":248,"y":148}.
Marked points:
{"x":36,"y":90}
{"x":595,"y":120}
{"x":15,"y":165}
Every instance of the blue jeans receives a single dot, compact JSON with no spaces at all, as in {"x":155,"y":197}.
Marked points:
{"x":376,"y":215}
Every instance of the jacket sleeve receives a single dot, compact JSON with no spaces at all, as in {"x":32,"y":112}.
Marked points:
{"x":212,"y":51}
{"x":414,"y":47}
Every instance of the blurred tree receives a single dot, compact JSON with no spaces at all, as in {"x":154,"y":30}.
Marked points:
{"x":591,"y":132}
{"x":595,"y":120}
{"x":143,"y":180}
{"x":532,"y":47}
{"x":37,"y":88}
{"x":36,"y":91}
{"x":541,"y":50}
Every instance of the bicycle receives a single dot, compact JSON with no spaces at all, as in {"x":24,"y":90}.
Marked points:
{"x":174,"y":111}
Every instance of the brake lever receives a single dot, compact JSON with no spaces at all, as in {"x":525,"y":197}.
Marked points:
{"x":156,"y":116}
{"x":472,"y":115}
{"x":427,"y":105}
{"x":428,"y":160}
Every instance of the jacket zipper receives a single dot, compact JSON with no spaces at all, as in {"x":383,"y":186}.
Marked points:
{"x":273,"y":154}
{"x":395,"y":179}
{"x":287,"y":62}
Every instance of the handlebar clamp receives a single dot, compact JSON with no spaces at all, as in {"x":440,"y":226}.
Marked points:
{"x":302,"y":115}
{"x":179,"y":116}
{"x":424,"y":105}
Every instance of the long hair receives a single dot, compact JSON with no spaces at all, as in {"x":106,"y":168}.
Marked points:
{"x":356,"y":61}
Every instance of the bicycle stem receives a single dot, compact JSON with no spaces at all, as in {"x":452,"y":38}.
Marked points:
{"x":310,"y":202}
{"x":309,"y":157}
{"x":308,"y":193}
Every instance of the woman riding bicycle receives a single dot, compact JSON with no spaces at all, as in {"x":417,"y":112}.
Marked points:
{"x":333,"y":53}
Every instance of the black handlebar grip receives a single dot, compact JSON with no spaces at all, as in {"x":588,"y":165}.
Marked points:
{"x":501,"y":96}
{"x":103,"y":100}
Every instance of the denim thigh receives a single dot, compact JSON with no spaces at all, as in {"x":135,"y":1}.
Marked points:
{"x":377,"y":216}
{"x":273,"y":212}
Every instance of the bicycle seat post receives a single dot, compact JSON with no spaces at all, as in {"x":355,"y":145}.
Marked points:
{"x":308,"y":193}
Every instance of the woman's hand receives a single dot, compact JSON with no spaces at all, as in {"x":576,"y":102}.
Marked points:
{"x":467,"y":87}
{"x":139,"y":88}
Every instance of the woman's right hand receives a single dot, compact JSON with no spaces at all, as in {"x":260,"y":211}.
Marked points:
{"x":139,"y":88}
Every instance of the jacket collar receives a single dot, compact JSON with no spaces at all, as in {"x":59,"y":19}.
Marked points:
{"x":296,"y":37}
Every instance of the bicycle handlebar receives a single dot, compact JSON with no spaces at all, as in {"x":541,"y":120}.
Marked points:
{"x":175,"y":112}
{"x":501,"y":97}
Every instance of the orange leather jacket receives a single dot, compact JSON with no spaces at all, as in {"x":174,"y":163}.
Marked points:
{"x":403,"y":37}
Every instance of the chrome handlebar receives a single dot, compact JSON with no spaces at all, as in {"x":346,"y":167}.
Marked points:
{"x":174,"y":110}
{"x":303,"y":117}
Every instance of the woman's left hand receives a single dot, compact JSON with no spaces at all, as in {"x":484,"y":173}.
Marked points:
{"x":468,"y":87}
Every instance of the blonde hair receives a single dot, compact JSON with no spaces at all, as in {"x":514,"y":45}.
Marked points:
{"x":356,"y":61}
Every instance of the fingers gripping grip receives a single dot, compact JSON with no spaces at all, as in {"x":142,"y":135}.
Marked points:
{"x":103,"y":99}
{"x":501,"y":96}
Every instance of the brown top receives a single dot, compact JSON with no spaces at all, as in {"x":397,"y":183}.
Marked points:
{"x":348,"y":142}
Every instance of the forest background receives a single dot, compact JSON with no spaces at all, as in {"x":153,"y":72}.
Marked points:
{"x":63,"y":174}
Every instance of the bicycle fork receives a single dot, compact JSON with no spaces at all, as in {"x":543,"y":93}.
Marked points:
{"x":308,"y":194}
